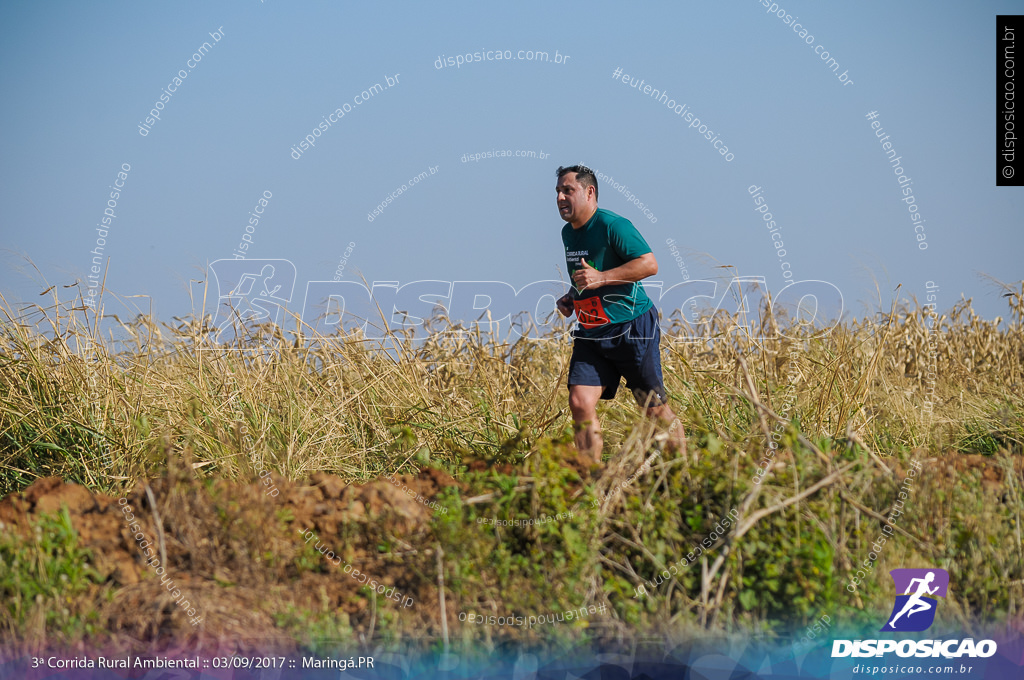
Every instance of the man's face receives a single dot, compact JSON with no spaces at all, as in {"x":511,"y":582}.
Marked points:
{"x":573,"y":198}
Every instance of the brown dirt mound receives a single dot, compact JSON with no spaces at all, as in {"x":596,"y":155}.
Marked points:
{"x":236,"y":552}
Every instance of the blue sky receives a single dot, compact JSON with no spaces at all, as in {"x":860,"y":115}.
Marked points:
{"x":78,"y":80}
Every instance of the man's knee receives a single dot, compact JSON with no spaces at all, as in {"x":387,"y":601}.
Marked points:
{"x":582,"y":405}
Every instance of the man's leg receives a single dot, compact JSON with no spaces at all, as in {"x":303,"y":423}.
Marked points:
{"x":677,"y":437}
{"x":583,"y":404}
{"x":645,"y":378}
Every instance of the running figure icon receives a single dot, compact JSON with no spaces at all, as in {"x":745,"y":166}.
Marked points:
{"x":916,"y":603}
{"x":251,"y":292}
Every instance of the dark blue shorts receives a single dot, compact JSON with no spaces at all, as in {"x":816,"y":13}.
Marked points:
{"x":631,"y":350}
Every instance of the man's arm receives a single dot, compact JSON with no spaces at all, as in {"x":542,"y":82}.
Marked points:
{"x":586,"y":277}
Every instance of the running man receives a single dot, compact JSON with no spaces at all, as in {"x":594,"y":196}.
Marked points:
{"x":914,"y":603}
{"x":617,"y":334}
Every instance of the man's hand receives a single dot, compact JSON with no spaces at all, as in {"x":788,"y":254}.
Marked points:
{"x":587,"y":277}
{"x":564,"y":304}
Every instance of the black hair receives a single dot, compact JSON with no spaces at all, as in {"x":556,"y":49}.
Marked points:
{"x":584,"y":175}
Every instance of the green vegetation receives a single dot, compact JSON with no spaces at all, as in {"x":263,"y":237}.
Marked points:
{"x":43,"y":578}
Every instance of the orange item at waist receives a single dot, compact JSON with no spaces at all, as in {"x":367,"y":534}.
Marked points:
{"x":590,"y":312}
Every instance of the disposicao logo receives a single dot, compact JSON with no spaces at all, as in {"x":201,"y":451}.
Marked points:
{"x":252,"y":291}
{"x":914,"y":610}
{"x":917,"y":593}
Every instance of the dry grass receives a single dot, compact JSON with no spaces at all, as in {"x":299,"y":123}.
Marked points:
{"x":80,"y":408}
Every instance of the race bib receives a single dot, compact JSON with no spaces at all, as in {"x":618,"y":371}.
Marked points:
{"x":590,"y":312}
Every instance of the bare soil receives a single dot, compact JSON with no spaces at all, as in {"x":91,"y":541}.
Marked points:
{"x":236,"y":551}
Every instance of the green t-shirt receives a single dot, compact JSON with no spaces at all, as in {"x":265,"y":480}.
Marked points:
{"x":606,"y":241}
